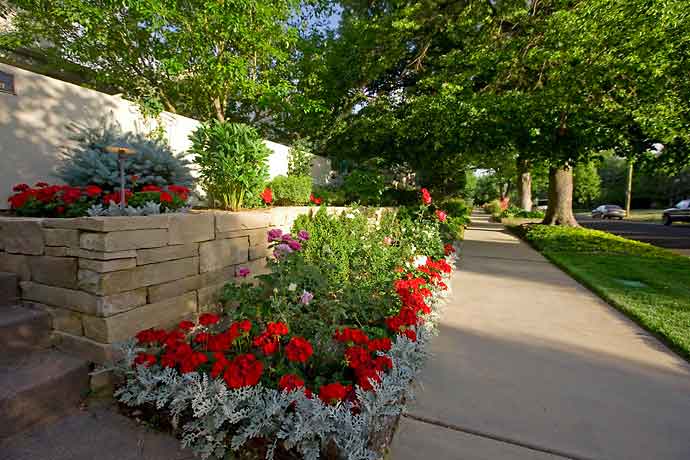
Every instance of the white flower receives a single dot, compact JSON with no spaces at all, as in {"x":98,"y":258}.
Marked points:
{"x":292,"y":287}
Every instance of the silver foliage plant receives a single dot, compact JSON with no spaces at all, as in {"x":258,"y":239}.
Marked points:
{"x":150,"y":208}
{"x":223,"y":416}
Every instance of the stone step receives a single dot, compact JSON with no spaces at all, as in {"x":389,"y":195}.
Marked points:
{"x":41,"y":386}
{"x":23,"y":330}
{"x":9,"y":292}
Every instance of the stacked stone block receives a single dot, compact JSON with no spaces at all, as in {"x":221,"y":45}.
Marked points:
{"x":105,"y":278}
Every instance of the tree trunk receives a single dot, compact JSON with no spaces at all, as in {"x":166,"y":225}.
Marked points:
{"x":524,"y":185}
{"x":560,"y":207}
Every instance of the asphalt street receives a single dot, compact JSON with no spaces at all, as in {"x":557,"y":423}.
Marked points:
{"x":676,"y":236}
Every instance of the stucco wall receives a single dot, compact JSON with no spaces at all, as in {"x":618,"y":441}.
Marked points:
{"x":35,"y":126}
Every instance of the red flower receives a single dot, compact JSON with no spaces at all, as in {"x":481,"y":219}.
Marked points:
{"x":277,"y":329}
{"x":244,"y":370}
{"x":42,"y":184}
{"x":448,"y":249}
{"x":93,"y":191}
{"x":267,"y":195}
{"x":298,"y":350}
{"x":383,"y":344}
{"x":333,"y":392}
{"x":146,"y":359}
{"x":348,"y":335}
{"x":134,"y":178}
{"x":165,"y":197}
{"x":315,"y":200}
{"x":290,"y":382}
{"x":151,"y":335}
{"x":410,"y":334}
{"x":426,"y":197}
{"x":441,"y":215}
{"x":150,"y":188}
{"x":21,"y":188}
{"x":208,"y":318}
{"x":267,"y":342}
{"x":60,"y":210}
{"x":185,"y":325}
{"x":179,"y":190}
{"x":357,"y":357}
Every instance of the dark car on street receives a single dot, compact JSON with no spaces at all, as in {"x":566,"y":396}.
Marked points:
{"x":608,"y":211}
{"x":679,"y":213}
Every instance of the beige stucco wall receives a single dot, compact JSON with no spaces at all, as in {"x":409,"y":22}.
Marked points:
{"x":35,"y":127}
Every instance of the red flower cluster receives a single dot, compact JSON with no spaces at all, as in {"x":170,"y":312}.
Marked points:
{"x":351,"y":336}
{"x":333,"y":392}
{"x":267,"y":195}
{"x":448,"y":249}
{"x":442,"y":216}
{"x":426,"y":197}
{"x":290,"y":382}
{"x":114,"y":197}
{"x":298,"y":350}
{"x":245,"y":370}
{"x":315,"y":200}
{"x":57,"y":195}
{"x":269,"y":340}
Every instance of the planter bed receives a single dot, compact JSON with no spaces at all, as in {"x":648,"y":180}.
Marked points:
{"x":313,"y":360}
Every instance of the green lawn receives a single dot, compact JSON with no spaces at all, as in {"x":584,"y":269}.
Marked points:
{"x":647,"y":283}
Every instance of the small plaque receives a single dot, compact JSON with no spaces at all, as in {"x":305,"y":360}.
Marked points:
{"x":6,"y":82}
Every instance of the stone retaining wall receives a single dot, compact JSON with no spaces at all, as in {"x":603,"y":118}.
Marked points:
{"x":105,"y":278}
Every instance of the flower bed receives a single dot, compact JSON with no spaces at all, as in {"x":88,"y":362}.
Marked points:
{"x":45,"y":200}
{"x":315,"y":360}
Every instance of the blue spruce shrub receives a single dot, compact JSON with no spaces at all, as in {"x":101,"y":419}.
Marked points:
{"x":153,"y":164}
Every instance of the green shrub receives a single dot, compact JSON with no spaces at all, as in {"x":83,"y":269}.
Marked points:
{"x":232,"y":162}
{"x":300,"y":159}
{"x":291,"y":190}
{"x":514,"y":211}
{"x":493,"y":207}
{"x":455,"y":207}
{"x":399,"y":197}
{"x":332,"y":196}
{"x":152,"y":164}
{"x":364,"y":186}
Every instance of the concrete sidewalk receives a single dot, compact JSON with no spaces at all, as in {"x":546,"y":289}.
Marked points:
{"x":531,"y":365}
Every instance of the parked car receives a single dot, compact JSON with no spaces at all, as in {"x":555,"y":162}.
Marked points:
{"x":540,"y":204}
{"x":679,"y":213}
{"x":608,"y":211}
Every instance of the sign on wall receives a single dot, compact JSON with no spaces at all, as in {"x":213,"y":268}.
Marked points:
{"x":6,"y":82}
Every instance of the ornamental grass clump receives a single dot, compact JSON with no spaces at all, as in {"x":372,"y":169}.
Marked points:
{"x":297,"y":366}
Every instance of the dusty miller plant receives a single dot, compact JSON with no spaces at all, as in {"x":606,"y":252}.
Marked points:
{"x":225,"y":420}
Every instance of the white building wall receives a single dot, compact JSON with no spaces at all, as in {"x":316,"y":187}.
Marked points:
{"x":35,"y":122}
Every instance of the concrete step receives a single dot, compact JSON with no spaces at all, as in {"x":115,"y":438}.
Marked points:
{"x":41,"y":386}
{"x":23,"y":330}
{"x":9,"y":293}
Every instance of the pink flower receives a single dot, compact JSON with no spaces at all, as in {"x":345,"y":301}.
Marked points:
{"x":303,"y":235}
{"x":441,"y":215}
{"x":243,"y":272}
{"x":387,"y":240}
{"x":306,"y":297}
{"x":426,"y":197}
{"x":274,"y":234}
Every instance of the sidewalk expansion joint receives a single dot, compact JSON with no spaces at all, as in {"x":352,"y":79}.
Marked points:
{"x":498,"y":438}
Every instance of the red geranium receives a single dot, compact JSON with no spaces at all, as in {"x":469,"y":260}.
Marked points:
{"x":208,"y":319}
{"x":93,"y":191}
{"x":351,"y":336}
{"x":357,"y":357}
{"x":290,"y":382}
{"x":185,"y":325}
{"x":146,"y":359}
{"x":276,"y":329}
{"x":298,"y":350}
{"x":150,"y":188}
{"x":165,"y":197}
{"x":410,"y":334}
{"x":383,"y":344}
{"x":441,"y":215}
{"x":333,"y":392}
{"x":448,"y":249}
{"x":21,"y":188}
{"x":179,"y":190}
{"x":244,"y":370}
{"x":42,"y":184}
{"x":315,"y":200}
{"x":267,"y":195}
{"x":426,"y":197}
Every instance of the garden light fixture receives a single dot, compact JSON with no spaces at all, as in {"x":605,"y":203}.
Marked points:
{"x":122,"y":153}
